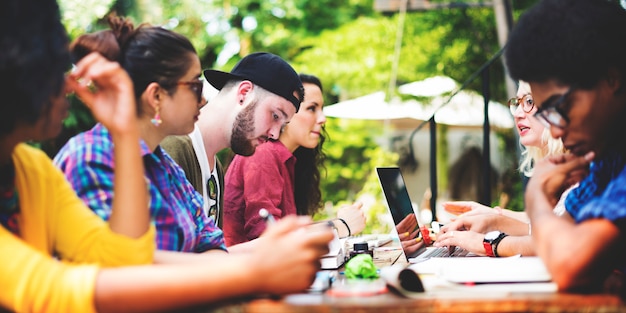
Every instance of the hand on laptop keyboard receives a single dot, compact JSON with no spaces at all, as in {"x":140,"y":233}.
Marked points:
{"x":446,"y":252}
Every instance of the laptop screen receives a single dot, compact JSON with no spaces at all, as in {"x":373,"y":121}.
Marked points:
{"x":399,"y":204}
{"x":395,"y":191}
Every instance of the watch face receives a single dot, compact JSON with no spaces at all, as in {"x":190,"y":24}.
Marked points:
{"x":492,"y":235}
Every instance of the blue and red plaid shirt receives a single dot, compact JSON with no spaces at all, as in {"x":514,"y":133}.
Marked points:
{"x":176,"y":207}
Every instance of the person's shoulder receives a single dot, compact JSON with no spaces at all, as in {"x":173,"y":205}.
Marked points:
{"x":32,"y":160}
{"x":98,"y":136}
{"x":25,"y":152}
{"x":167,"y":160}
{"x":264,"y":153}
{"x":93,"y":144}
{"x":272,"y":147}
{"x":178,"y":148}
{"x":171,"y":143}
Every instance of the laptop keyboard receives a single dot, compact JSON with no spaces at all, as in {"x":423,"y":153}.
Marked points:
{"x":444,"y":252}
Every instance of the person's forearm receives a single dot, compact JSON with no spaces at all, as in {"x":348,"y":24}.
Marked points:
{"x":514,"y":245}
{"x":170,"y":287}
{"x":273,"y":268}
{"x":176,"y":257}
{"x":512,"y":226}
{"x":343,"y":230}
{"x":130,"y":213}
{"x":572,"y":252}
{"x":543,"y":223}
{"x":520,"y":216}
{"x":244,"y":247}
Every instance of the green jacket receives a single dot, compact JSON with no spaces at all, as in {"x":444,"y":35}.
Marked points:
{"x":181,"y":150}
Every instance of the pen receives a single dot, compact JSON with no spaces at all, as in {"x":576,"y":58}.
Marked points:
{"x":266,"y":216}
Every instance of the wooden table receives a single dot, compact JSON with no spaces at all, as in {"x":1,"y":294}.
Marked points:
{"x":392,"y":302}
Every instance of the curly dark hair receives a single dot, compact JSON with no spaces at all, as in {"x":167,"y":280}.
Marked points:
{"x":309,"y":162}
{"x":574,"y":42}
{"x":34,"y":56}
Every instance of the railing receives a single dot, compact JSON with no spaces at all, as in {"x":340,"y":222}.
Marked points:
{"x":485,"y":197}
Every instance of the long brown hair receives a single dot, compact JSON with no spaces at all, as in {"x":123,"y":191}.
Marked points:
{"x":307,"y":192}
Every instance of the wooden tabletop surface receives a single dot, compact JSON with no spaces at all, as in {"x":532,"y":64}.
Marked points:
{"x":387,"y":300}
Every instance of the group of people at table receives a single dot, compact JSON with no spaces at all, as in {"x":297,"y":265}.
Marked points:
{"x":116,"y":223}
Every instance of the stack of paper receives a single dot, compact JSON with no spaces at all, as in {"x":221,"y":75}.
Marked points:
{"x":336,"y":255}
{"x":464,"y":275}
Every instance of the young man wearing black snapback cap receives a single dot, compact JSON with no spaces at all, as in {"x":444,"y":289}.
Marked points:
{"x":260,"y":95}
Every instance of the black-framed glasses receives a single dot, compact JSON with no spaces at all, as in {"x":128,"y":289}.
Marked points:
{"x":551,"y":112}
{"x":196,"y":86}
{"x":213,"y":194}
{"x":526,"y":102}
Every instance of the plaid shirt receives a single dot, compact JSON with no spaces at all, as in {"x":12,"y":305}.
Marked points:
{"x":87,"y":161}
{"x":602,"y":194}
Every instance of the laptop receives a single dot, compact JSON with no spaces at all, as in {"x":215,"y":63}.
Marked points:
{"x":400,"y":208}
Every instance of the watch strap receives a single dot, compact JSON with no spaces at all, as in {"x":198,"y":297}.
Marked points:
{"x":488,"y":248}
{"x":495,"y":244}
{"x":491,"y":245}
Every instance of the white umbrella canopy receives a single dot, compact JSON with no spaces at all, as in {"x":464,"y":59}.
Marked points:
{"x":374,"y":107}
{"x":465,"y":108}
{"x":429,"y":87}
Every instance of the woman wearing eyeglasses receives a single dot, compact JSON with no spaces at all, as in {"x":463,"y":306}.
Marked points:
{"x":165,"y":70}
{"x":283,"y":176}
{"x":56,"y":255}
{"x":476,"y":220}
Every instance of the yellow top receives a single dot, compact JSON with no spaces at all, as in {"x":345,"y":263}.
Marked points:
{"x":54,"y":221}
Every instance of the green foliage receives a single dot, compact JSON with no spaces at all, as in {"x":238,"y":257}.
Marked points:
{"x":345,"y":43}
{"x":79,"y":16}
{"x":348,"y":151}
{"x":352,"y":156}
{"x":511,"y":185}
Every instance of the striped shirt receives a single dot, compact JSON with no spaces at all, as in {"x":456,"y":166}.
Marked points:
{"x":87,"y":161}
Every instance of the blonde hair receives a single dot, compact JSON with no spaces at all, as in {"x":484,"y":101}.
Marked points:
{"x":549,"y":147}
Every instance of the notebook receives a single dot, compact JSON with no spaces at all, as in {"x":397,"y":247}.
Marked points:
{"x":400,"y":207}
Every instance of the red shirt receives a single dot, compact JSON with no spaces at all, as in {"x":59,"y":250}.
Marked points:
{"x":263,"y":180}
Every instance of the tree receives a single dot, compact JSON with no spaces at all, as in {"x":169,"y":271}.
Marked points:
{"x":344,"y":42}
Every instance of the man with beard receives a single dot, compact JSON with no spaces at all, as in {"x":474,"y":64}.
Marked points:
{"x":232,"y":119}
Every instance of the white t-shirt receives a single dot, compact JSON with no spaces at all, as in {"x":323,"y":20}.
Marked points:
{"x":207,"y":172}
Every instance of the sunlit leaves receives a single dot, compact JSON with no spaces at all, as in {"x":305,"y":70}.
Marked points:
{"x":79,"y":15}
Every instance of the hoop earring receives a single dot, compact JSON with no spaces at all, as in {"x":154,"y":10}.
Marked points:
{"x":156,"y":121}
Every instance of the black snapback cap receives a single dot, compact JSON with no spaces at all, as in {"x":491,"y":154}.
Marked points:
{"x":266,"y":70}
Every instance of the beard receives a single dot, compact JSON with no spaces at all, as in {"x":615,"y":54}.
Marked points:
{"x":244,"y":126}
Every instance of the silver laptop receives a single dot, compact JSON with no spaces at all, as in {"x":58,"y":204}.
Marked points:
{"x":400,"y":207}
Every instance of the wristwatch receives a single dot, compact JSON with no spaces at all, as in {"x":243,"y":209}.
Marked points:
{"x":491,"y":241}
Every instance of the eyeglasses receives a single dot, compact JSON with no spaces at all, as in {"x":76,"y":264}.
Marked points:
{"x":213,"y":192}
{"x":526,"y":102}
{"x":551,"y":111}
{"x":196,"y":86}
